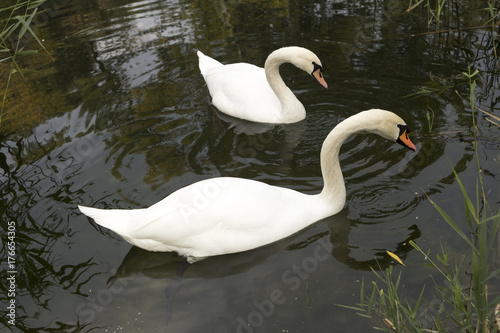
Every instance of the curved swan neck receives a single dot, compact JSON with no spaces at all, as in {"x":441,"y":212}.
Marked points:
{"x":334,"y":187}
{"x":292,"y":109}
{"x":333,"y":179}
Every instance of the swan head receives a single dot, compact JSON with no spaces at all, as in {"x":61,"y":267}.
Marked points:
{"x":301,"y":58}
{"x":389,"y":126}
{"x":317,"y":73}
{"x":310,"y":63}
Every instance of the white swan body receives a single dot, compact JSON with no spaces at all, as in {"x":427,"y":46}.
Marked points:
{"x":258,"y":94}
{"x":226,"y":215}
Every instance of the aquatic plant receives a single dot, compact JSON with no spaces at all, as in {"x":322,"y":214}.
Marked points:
{"x":457,"y":306}
{"x":450,"y":21}
{"x":14,"y":29}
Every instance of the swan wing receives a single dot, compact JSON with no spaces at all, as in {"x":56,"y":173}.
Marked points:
{"x":223,"y":215}
{"x":241,"y":90}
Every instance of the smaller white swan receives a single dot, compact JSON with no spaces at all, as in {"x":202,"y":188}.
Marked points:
{"x":259,"y":94}
{"x":226,"y":215}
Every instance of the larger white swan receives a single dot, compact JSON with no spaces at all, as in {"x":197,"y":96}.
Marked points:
{"x":259,"y":94}
{"x":226,"y":215}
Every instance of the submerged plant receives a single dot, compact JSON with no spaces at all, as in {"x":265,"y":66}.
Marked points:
{"x":388,"y":306}
{"x":13,"y":30}
{"x":430,"y":118}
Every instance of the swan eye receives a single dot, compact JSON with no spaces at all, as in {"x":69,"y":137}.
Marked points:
{"x":316,"y":67}
{"x":403,"y":128}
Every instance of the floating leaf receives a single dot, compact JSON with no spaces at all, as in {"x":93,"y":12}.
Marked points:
{"x":395,"y":257}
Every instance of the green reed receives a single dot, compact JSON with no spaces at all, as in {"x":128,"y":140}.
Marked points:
{"x":15,"y":28}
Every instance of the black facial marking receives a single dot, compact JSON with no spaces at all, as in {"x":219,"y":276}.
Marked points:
{"x":316,"y":67}
{"x":403,"y":129}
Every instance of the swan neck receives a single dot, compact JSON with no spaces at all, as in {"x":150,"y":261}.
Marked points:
{"x":334,"y":186}
{"x":291,"y":107}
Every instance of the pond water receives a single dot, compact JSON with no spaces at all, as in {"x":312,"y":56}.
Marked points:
{"x":121,"y":117}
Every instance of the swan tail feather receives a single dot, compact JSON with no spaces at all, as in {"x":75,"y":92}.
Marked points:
{"x":114,"y":219}
{"x":206,"y":63}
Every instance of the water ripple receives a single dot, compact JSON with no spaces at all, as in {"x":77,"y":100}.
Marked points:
{"x":379,"y":201}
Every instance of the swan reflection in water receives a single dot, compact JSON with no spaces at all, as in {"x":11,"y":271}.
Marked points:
{"x":331,"y":240}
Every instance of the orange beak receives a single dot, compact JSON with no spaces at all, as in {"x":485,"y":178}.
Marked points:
{"x":404,"y":139}
{"x":318,"y":75}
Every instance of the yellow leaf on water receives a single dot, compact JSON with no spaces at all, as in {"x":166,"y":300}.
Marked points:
{"x":395,"y":257}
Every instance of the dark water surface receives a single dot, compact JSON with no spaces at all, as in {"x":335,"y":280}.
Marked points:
{"x":122,"y":117}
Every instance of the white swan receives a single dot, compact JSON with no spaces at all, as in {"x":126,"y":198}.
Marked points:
{"x":259,"y":94}
{"x":226,"y":215}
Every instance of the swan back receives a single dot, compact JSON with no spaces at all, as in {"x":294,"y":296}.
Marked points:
{"x":213,"y":216}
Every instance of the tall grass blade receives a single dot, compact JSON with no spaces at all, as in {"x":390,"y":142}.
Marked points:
{"x":453,"y":225}
{"x":27,"y":52}
{"x":468,"y":202}
{"x":26,"y":27}
{"x":7,"y":32}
